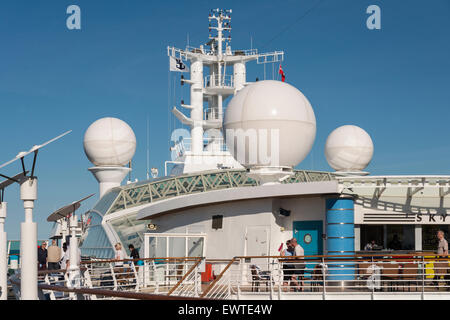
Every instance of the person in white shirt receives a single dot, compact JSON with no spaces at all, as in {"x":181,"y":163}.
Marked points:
{"x":299,"y":266}
{"x":299,"y":251}
{"x":64,"y":256}
{"x":370,"y":246}
{"x":118,"y":264}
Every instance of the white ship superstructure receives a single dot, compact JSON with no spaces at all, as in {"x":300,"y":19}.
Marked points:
{"x":211,"y":83}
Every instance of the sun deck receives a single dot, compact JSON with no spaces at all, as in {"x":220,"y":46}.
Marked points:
{"x":413,"y":276}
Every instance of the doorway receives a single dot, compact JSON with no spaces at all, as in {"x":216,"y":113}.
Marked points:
{"x":309,"y":236}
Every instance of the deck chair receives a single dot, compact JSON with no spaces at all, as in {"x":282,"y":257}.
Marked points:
{"x":410,"y":273}
{"x":258,"y":276}
{"x":441,"y":270}
{"x":391,"y":274}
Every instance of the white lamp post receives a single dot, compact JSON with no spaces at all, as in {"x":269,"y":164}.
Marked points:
{"x":28,"y":229}
{"x":28,"y":241}
{"x":3,"y":254}
{"x":3,"y":235}
{"x":68,"y":213}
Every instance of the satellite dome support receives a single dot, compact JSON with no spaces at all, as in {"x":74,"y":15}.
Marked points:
{"x":109,"y":177}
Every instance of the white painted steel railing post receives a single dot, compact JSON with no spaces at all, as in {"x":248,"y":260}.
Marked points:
{"x":113,"y":274}
{"x":323,"y":279}
{"x":196,"y":282}
{"x":136,"y":276}
{"x":423,"y":277}
{"x":271,"y":279}
{"x":373,"y":285}
{"x":229,"y":285}
{"x":280,"y":279}
{"x":145,"y":273}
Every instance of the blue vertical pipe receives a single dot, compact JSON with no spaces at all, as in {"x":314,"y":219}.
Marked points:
{"x":340,"y":236}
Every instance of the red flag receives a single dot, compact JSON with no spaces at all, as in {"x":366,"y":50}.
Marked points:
{"x":281,"y":247}
{"x":280,"y":71}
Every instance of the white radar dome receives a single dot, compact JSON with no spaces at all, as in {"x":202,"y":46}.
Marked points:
{"x":277,"y":122}
{"x":109,"y":142}
{"x":349,"y":148}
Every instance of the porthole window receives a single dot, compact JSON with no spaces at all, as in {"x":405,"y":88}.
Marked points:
{"x":307,"y":238}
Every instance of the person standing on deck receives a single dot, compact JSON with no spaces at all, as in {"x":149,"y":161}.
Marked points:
{"x":300,"y":266}
{"x":441,"y":267}
{"x":442,"y":248}
{"x":118,"y":265}
{"x":42,"y":256}
{"x":53,"y":256}
{"x":64,"y":256}
{"x":288,"y":269}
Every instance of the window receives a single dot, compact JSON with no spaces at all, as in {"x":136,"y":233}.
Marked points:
{"x":390,"y":237}
{"x":217,"y":222}
{"x":371,"y":232}
{"x":174,"y":245}
{"x":130,"y":230}
{"x":96,"y":243}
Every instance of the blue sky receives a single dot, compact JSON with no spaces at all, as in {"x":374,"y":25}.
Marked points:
{"x":392,"y":82}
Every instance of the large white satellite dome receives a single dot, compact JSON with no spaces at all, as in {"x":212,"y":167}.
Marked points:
{"x":109,"y":142}
{"x":266,"y":105}
{"x":349,"y":148}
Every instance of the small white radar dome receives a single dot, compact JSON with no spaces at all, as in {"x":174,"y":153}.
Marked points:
{"x":109,"y":142}
{"x":275,"y":120}
{"x":349,"y":148}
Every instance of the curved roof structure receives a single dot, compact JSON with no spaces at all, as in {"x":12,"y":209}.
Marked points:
{"x":151,"y":191}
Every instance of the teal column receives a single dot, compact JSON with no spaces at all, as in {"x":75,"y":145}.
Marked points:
{"x":340,"y":236}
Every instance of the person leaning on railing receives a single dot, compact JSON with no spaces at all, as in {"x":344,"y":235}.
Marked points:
{"x":300,"y":265}
{"x":288,"y":268}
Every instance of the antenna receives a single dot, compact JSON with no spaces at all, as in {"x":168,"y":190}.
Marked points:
{"x":28,"y":228}
{"x":209,"y":93}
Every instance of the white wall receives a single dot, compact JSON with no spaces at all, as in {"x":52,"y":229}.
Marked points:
{"x":238,"y":216}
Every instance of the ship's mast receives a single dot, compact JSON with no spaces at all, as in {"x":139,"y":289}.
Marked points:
{"x":213,"y":88}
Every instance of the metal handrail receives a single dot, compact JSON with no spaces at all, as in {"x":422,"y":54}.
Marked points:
{"x":185,"y":276}
{"x":218,"y":278}
{"x":108,"y":293}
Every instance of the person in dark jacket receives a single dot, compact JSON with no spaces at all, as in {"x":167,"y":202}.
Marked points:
{"x":42,"y":256}
{"x":134,"y":254}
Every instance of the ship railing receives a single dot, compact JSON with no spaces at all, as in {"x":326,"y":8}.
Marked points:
{"x":405,"y":276}
{"x":152,"y":275}
{"x":246,"y":52}
{"x":190,"y":284}
{"x":213,"y":81}
{"x":209,"y":143}
{"x":223,"y":285}
{"x":62,"y":292}
{"x":155,"y":276}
